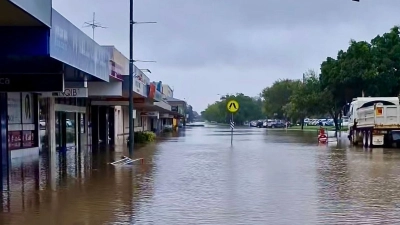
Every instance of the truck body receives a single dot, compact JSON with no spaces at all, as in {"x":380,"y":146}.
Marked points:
{"x":379,"y":116}
{"x":374,"y":120}
{"x":363,"y":109}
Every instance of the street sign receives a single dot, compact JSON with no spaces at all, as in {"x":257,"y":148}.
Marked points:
{"x":232,"y":125}
{"x":68,"y":93}
{"x":232,"y":106}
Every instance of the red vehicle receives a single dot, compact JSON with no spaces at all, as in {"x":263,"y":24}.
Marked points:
{"x":322,"y":137}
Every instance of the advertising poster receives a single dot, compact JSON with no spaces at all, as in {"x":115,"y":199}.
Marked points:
{"x":14,"y":140}
{"x":27,"y":108}
{"x":14,"y":108}
{"x":28,"y":140}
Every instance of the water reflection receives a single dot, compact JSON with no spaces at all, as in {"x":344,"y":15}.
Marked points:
{"x":196,"y":177}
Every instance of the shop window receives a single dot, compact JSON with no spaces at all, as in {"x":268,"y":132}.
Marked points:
{"x":21,"y":120}
{"x":82,"y":123}
{"x":138,"y":121}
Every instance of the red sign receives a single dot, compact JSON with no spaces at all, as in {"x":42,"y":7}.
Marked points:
{"x":28,"y":139}
{"x":115,"y":68}
{"x":14,"y":140}
{"x":152,"y":91}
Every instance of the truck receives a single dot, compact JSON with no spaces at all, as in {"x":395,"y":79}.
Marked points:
{"x":374,"y":121}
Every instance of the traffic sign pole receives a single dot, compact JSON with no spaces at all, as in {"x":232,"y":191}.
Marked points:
{"x":232,"y":126}
{"x":232,"y":106}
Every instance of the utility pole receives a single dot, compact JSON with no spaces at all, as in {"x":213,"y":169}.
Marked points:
{"x":131,"y":131}
{"x":131,"y":74}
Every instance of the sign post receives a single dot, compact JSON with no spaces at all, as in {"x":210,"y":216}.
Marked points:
{"x":233,"y":107}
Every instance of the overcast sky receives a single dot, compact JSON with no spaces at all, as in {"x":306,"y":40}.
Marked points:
{"x":208,"y":47}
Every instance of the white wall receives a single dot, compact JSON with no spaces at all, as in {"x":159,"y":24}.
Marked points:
{"x":118,"y":125}
{"x":167,"y":90}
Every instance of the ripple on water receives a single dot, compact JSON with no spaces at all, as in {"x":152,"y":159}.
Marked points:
{"x":196,"y":177}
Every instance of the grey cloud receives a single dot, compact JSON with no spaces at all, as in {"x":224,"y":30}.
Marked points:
{"x":233,"y":45}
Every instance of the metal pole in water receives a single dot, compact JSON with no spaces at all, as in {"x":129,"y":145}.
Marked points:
{"x":232,"y":124}
{"x":131,"y":131}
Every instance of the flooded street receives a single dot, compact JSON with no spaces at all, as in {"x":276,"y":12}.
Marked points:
{"x":196,"y":177}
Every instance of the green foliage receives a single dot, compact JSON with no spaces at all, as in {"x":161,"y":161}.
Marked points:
{"x":307,"y":98}
{"x":364,"y":69}
{"x":250,"y":109}
{"x":144,"y":137}
{"x":277,"y":97}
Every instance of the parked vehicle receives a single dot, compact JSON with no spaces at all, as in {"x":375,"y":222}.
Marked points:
{"x":374,"y":121}
{"x":253,"y":123}
{"x":276,"y":124}
{"x":260,"y":124}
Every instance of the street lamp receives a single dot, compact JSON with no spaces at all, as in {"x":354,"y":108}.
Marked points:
{"x":147,"y":70}
{"x":131,"y":23}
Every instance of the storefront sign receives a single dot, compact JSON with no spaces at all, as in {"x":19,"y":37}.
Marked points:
{"x":150,"y":114}
{"x":31,"y":82}
{"x":68,"y":93}
{"x":70,"y":45}
{"x":39,"y":9}
{"x":119,"y":64}
{"x":14,"y":108}
{"x":140,"y":88}
{"x":4,"y":81}
{"x":152,"y":89}
{"x":116,"y":70}
{"x":174,"y":108}
{"x":166,"y":115}
{"x":158,"y":96}
{"x":139,"y":75}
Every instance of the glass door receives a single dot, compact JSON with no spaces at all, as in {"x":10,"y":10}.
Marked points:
{"x":70,"y":123}
{"x":60,"y":130}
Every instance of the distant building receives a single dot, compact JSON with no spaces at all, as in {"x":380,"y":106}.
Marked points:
{"x":167,"y":91}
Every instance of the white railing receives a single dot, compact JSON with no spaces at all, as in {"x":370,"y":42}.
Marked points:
{"x":126,"y":160}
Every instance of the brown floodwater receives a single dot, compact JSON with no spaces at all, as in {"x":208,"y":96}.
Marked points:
{"x":196,"y":177}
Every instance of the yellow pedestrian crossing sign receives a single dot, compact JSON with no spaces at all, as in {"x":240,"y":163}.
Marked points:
{"x":232,"y":106}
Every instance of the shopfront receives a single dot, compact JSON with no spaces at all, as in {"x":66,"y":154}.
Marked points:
{"x":153,"y":119}
{"x":18,"y":130}
{"x":64,"y":119}
{"x":22,"y":121}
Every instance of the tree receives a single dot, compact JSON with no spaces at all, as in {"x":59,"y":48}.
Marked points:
{"x":386,"y":56}
{"x":277,"y":96}
{"x":363,"y":69}
{"x":249,"y":110}
{"x":307,"y":98}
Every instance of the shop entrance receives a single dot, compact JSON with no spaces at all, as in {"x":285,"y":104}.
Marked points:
{"x":68,"y":127}
{"x":66,"y":130}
